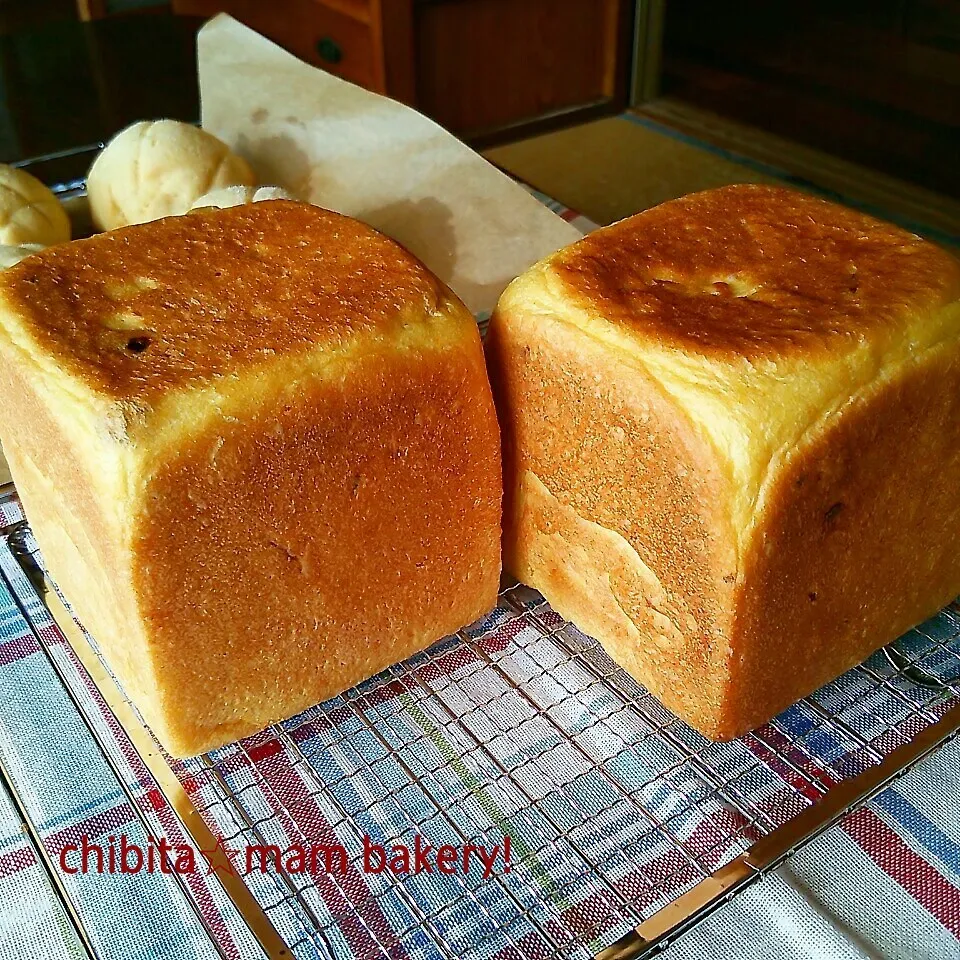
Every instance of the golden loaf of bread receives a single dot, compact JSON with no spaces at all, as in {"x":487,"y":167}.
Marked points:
{"x":731,"y":430}
{"x":258,"y":450}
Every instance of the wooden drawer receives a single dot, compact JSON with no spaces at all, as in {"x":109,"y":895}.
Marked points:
{"x":487,"y":64}
{"x":485,"y":69}
{"x":335,"y":35}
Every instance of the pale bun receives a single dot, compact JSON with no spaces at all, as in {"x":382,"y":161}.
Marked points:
{"x":29,"y":212}
{"x":159,"y":168}
{"x":11,"y":253}
{"x":237,"y":195}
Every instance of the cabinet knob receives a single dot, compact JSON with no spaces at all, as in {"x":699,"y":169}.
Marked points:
{"x":329,"y":50}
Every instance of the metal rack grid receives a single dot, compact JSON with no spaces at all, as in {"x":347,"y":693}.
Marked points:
{"x":626,"y":825}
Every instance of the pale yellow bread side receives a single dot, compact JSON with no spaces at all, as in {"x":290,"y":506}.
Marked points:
{"x":259,"y":452}
{"x":662,"y":378}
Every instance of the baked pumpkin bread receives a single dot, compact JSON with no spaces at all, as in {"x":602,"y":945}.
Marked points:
{"x":731,"y":432}
{"x":258,"y":450}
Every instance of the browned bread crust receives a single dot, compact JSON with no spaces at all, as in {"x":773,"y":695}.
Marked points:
{"x":294,"y":484}
{"x":732,"y":443}
{"x":300,"y":277}
{"x":753,"y":271}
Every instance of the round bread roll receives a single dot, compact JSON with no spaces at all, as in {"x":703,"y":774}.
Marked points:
{"x":158,"y":168}
{"x":236,"y":196}
{"x":14,"y":253}
{"x":29,"y":212}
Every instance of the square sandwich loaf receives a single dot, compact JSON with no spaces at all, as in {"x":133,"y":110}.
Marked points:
{"x":731,"y":431}
{"x":258,"y":449}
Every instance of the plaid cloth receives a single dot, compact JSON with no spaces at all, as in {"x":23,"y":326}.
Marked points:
{"x":70,"y":787}
{"x":537,"y":749}
{"x":522,"y":728}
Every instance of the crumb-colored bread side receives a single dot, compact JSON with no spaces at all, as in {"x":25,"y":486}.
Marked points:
{"x":730,"y":443}
{"x":614,"y":508}
{"x":259,"y":452}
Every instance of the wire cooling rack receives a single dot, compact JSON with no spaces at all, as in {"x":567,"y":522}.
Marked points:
{"x":627,"y":827}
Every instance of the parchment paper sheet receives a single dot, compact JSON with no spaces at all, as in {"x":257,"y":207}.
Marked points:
{"x":365,"y":155}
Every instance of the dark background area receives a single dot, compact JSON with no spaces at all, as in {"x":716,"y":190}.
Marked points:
{"x":875,"y":81}
{"x":64,"y":83}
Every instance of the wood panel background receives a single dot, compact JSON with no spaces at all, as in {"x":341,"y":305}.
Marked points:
{"x":875,"y":81}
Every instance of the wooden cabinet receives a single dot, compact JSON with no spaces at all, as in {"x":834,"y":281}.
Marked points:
{"x":874,"y":82}
{"x":482,"y":68}
{"x":339,"y":35}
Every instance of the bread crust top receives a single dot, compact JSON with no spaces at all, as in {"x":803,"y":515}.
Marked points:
{"x":760,"y":311}
{"x":178,"y":303}
{"x":755,"y":272}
